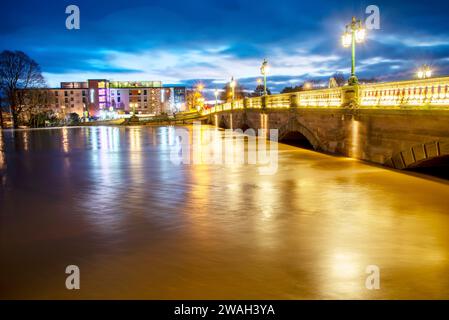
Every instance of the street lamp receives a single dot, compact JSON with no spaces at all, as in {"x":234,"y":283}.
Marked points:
{"x":264,"y":71}
{"x":424,"y":72}
{"x":355,"y":33}
{"x":216,"y":96}
{"x":232,"y":84}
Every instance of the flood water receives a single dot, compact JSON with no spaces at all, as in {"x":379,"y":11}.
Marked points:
{"x":111,"y":201}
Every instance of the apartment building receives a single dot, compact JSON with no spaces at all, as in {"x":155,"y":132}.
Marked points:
{"x":99,"y":97}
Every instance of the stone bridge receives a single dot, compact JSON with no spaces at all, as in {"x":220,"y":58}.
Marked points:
{"x":398,"y":124}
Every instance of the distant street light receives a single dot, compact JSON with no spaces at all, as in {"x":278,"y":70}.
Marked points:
{"x":200,"y":87}
{"x":424,"y":72}
{"x":232,"y":84}
{"x":264,"y":71}
{"x":216,"y":96}
{"x":354,"y":33}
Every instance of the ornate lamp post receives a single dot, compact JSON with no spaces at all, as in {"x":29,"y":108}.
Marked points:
{"x":216,"y":96}
{"x":355,"y":33}
{"x":232,"y":84}
{"x":264,"y":71}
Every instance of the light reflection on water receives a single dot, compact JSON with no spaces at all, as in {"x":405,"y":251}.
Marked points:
{"x":109,"y":200}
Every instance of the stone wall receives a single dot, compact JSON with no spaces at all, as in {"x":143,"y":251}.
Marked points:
{"x":396,"y":138}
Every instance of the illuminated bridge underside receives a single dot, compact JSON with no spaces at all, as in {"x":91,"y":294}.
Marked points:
{"x":401,"y":125}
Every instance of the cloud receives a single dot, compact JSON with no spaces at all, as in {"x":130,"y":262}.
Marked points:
{"x":211,"y":40}
{"x":414,"y":42}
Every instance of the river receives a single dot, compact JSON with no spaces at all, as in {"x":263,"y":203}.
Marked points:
{"x":110,"y":201}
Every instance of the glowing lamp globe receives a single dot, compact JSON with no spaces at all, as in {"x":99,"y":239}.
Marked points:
{"x":360,"y":35}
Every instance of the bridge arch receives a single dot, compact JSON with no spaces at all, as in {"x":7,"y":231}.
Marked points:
{"x":223,"y":122}
{"x":295,"y":129}
{"x":430,"y":154}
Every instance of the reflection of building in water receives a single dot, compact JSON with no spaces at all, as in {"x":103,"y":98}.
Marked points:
{"x":98,"y":96}
{"x":65,"y":140}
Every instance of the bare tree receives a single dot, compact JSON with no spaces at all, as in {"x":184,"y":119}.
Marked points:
{"x":239,"y":93}
{"x":259,"y":91}
{"x":339,"y":78}
{"x":18,"y":72}
{"x":194,"y":99}
{"x":292,"y":89}
{"x":36,"y":105}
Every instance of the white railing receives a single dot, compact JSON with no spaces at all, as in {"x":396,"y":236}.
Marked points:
{"x":279,"y":101}
{"x":226,"y":106}
{"x":238,"y":104}
{"x":428,"y":92}
{"x":255,"y":103}
{"x":320,"y":98}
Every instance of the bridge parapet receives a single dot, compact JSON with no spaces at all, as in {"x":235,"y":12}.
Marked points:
{"x":432,"y":92}
{"x":426,"y":93}
{"x":278,"y":101}
{"x":320,"y":98}
{"x":254,"y":103}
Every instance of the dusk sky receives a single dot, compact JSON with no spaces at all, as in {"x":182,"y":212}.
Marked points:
{"x":185,"y":41}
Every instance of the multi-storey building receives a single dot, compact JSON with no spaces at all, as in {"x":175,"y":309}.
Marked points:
{"x":99,"y":97}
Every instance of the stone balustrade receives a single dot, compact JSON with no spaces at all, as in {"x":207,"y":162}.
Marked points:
{"x":426,"y":93}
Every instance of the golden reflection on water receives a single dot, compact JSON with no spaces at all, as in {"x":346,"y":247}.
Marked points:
{"x":25,"y":140}
{"x":65,"y":140}
{"x":355,"y":144}
{"x":140,"y":226}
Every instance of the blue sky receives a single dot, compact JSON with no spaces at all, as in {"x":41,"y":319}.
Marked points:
{"x":188,"y":41}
